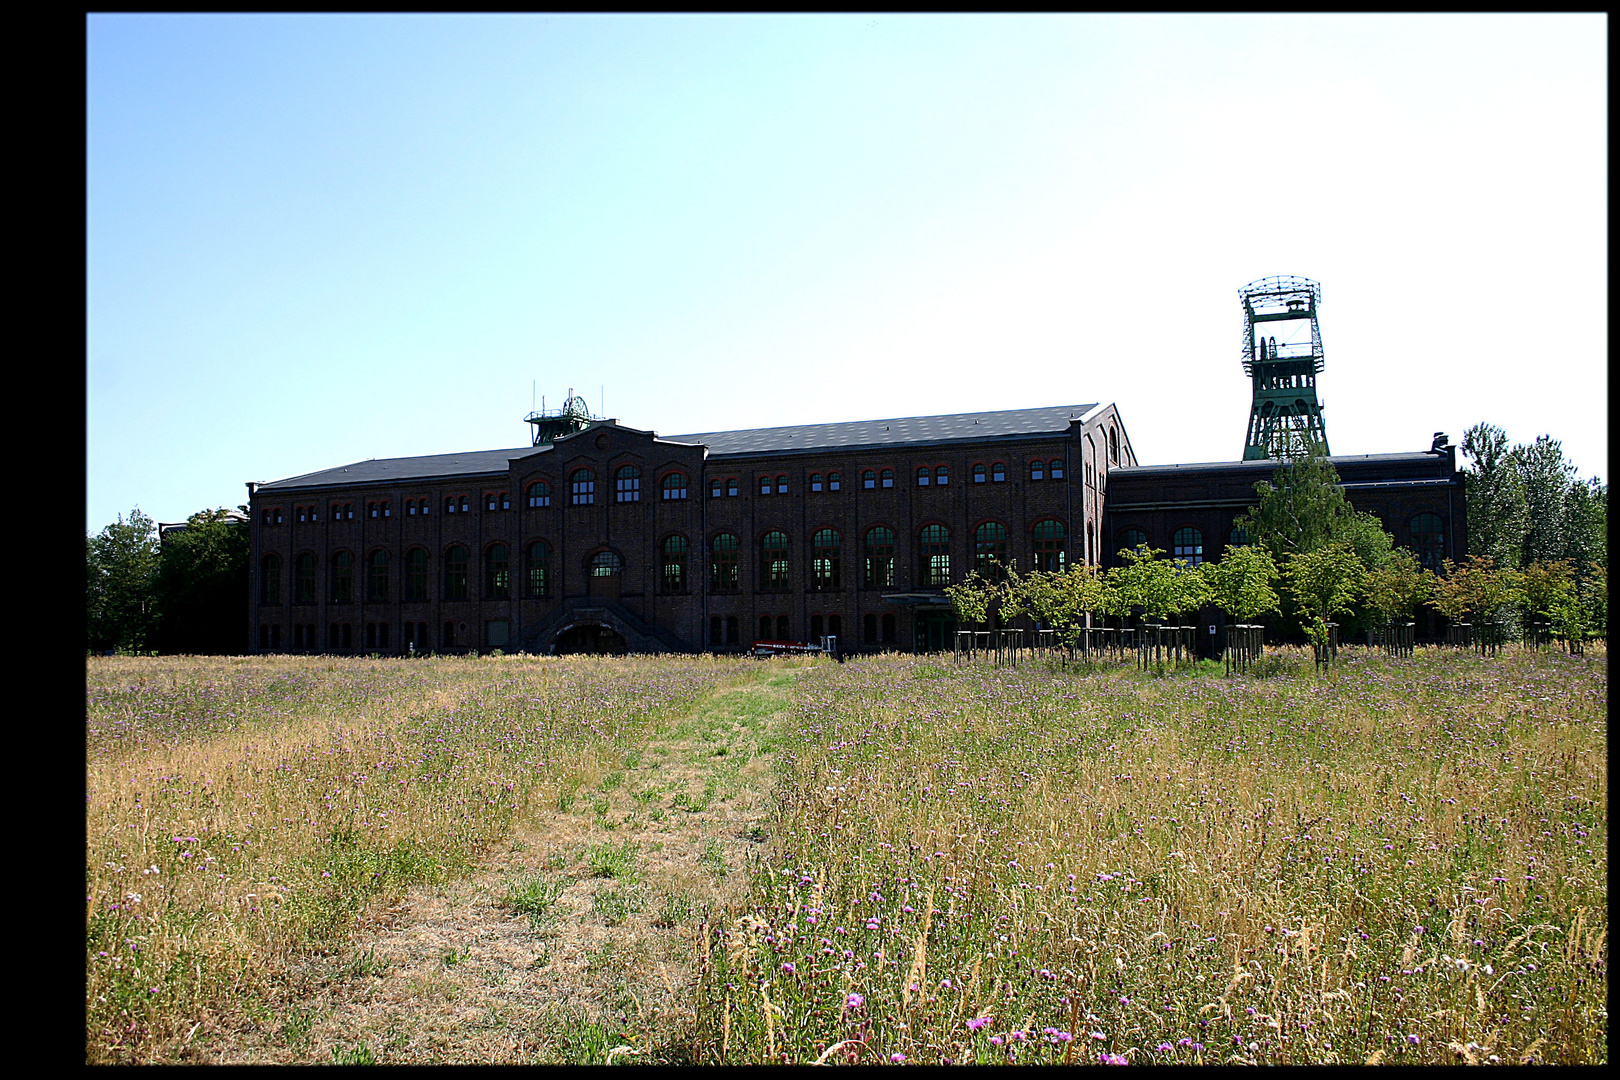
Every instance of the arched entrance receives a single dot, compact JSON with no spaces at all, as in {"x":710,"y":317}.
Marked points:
{"x":589,"y":638}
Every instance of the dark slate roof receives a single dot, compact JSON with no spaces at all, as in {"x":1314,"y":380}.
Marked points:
{"x":904,"y":430}
{"x":854,"y":435}
{"x":1339,"y":461}
{"x":380,"y":470}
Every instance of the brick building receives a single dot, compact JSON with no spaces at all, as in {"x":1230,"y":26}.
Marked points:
{"x":607,"y":537}
{"x":603,"y":537}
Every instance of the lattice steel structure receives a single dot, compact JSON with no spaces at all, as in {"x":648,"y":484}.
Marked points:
{"x":1285,"y":420}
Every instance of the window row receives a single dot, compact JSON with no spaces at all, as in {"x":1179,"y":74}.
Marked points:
{"x":415,"y":636}
{"x":1428,"y":540}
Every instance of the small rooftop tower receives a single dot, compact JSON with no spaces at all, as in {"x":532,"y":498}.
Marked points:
{"x":1283,"y":361}
{"x":550,"y":426}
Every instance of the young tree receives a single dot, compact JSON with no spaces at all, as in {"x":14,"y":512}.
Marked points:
{"x":121,"y":562}
{"x":201,"y":586}
{"x":971,"y":599}
{"x":1492,"y":488}
{"x":1298,"y":508}
{"x":1240,"y":584}
{"x":1399,"y":586}
{"x":1325,"y":582}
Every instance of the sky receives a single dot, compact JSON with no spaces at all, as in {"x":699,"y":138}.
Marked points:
{"x":313,"y":240}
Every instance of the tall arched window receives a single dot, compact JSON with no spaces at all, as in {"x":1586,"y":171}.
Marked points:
{"x":582,"y":488}
{"x":416,"y":574}
{"x":781,"y":485}
{"x":455,"y":573}
{"x":606,"y":564}
{"x":825,"y":571}
{"x":773,"y":562}
{"x":723,"y":563}
{"x":1113,"y":446}
{"x":497,"y":573}
{"x":1238,"y":537}
{"x":835,"y":481}
{"x":1188,"y":543}
{"x":270,"y":579}
{"x":627,"y":484}
{"x":1429,"y":540}
{"x":990,"y":551}
{"x":815,"y":481}
{"x":878,"y":553}
{"x":539,"y":578}
{"x":377,"y":576}
{"x":342,"y":578}
{"x":539,"y":495}
{"x":1049,"y":536}
{"x":674,"y":564}
{"x":304,"y":578}
{"x":934,"y":549}
{"x":1131,"y":539}
{"x":675,"y":486}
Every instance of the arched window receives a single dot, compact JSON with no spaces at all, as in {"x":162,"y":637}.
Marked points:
{"x":1037,"y":470}
{"x":342,"y":578}
{"x":835,"y":481}
{"x":455,"y":573}
{"x":674,"y":563}
{"x":878,"y":552}
{"x":773,"y":562}
{"x":815,"y":628}
{"x":990,"y":551}
{"x":1113,"y":446}
{"x":675,"y":486}
{"x":979,"y":473}
{"x":781,"y":485}
{"x":304,"y":578}
{"x":869,"y":631}
{"x":825,"y":571}
{"x":1056,"y":469}
{"x":869,"y":479}
{"x":731,"y":487}
{"x":925,"y":476}
{"x":783,"y":633}
{"x":1188,"y":543}
{"x":606,"y":564}
{"x":539,"y":495}
{"x":723,"y":563}
{"x":377,"y":576}
{"x":270,"y":579}
{"x":1131,"y":539}
{"x":582,"y":488}
{"x":887,"y":479}
{"x":765,"y":628}
{"x":539,"y":579}
{"x":1049,"y":536}
{"x":450,"y":505}
{"x":815,"y":481}
{"x":416,"y":575}
{"x":764,"y":485}
{"x":1238,"y":537}
{"x":491,"y":501}
{"x":998,"y":472}
{"x":627,"y":484}
{"x":1429,"y":540}
{"x":934,"y":547}
{"x":497,"y":573}
{"x":716,"y":489}
{"x":942,"y":475}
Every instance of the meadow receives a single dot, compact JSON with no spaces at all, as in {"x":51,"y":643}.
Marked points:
{"x":1399,"y":860}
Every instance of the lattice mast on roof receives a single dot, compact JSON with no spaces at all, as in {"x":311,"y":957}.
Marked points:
{"x":1285,"y":420}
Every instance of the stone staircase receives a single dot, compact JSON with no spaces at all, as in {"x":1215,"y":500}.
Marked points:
{"x":639,"y":636}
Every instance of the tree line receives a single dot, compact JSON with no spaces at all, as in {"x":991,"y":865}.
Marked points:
{"x":185,"y":593}
{"x":1537,"y":554}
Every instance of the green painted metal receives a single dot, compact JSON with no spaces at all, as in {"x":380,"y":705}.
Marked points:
{"x":552,"y":425}
{"x":1285,"y":419}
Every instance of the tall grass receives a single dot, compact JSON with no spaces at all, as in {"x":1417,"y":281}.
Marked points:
{"x":1401,"y":860}
{"x":241,"y":813}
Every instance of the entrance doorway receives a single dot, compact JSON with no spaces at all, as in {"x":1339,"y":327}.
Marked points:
{"x":935,"y":632}
{"x":590,"y":638}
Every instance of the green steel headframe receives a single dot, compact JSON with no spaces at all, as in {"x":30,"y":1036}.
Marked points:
{"x":572,"y":417}
{"x":1285,"y":420}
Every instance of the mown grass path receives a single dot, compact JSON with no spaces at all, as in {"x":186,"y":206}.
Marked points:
{"x":576,"y":942}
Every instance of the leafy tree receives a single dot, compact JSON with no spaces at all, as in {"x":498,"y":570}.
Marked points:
{"x":1297,"y":509}
{"x":971,"y":599}
{"x":1480,"y":590}
{"x":1398,"y":586}
{"x":1160,"y":587}
{"x":1586,"y":527}
{"x":202,"y":586}
{"x":1240,"y":584}
{"x":121,"y":562}
{"x":1546,"y":586}
{"x":1324,"y":582}
{"x":1545,"y":481}
{"x":1492,"y":490}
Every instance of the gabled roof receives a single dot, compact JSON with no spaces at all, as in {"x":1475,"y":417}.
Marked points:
{"x":853,"y":435}
{"x":905,"y":430}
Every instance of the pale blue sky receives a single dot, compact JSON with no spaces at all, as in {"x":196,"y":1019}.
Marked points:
{"x":313,"y":240}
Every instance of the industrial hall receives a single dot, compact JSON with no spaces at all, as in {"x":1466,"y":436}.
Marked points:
{"x":601,"y":537}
